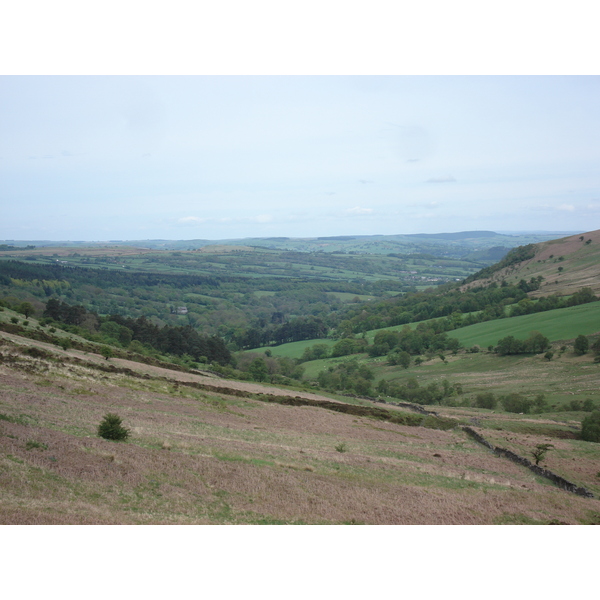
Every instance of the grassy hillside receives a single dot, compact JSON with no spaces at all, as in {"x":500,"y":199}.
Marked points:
{"x":210,"y":451}
{"x":561,"y":324}
{"x":566,"y":265}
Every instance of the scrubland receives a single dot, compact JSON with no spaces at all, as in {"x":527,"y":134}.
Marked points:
{"x":223,"y":454}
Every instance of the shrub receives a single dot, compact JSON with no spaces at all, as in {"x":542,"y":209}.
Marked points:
{"x":111,"y":429}
{"x":590,"y":427}
{"x":107,"y":352}
{"x":31,"y":444}
{"x":581,"y":346}
{"x":516,"y":403}
{"x":485,"y":400}
{"x":539,"y":454}
{"x":65,"y":343}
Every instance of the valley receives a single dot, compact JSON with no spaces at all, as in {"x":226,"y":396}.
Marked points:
{"x":282,"y":381}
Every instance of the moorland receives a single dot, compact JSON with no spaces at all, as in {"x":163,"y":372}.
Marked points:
{"x":332,"y":380}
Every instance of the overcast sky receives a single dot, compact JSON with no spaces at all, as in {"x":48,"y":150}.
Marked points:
{"x":214,"y":157}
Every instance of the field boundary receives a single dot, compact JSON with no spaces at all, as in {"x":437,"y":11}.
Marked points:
{"x":561,"y":482}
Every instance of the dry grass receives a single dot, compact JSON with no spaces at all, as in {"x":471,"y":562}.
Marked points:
{"x":200,"y":457}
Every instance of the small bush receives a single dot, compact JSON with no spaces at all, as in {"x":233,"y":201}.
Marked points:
{"x":342,"y":447}
{"x":31,"y":444}
{"x":581,"y":345}
{"x":111,"y":429}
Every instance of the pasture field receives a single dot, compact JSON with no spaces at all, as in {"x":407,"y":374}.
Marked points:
{"x":560,"y":324}
{"x":227,"y":454}
{"x":293,"y":349}
{"x":556,"y":325}
{"x":564,"y":379}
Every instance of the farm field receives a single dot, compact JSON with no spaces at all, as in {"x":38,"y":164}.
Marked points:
{"x":560,"y":324}
{"x":204,"y":452}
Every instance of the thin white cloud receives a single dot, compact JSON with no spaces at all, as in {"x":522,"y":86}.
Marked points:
{"x":442,"y":179}
{"x":358,"y":210}
{"x":566,"y":207}
{"x":191,"y":220}
{"x":262,"y":219}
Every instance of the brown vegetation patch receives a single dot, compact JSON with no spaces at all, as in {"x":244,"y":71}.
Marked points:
{"x":219,"y":456}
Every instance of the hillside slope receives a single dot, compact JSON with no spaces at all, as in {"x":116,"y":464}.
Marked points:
{"x":566,"y":265}
{"x":225,"y":455}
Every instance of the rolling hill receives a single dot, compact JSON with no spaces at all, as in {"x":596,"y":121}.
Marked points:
{"x":566,"y":265}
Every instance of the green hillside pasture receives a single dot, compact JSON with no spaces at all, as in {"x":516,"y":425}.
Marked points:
{"x":293,"y":349}
{"x":562,"y":380}
{"x":314,"y":367}
{"x":560,"y":324}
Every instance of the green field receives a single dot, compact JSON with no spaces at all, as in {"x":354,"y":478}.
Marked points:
{"x":293,"y":349}
{"x":560,"y":324}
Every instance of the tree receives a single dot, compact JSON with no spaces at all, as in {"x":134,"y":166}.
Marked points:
{"x":590,"y":427}
{"x":26,"y":308}
{"x":111,"y":428}
{"x":581,"y":345}
{"x":509,"y":345}
{"x":258,"y":369}
{"x":540,"y":452}
{"x":485,"y":400}
{"x":107,"y":352}
{"x":516,"y":403}
{"x":399,"y":358}
{"x":536,"y":342}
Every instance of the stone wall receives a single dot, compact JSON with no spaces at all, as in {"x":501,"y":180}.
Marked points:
{"x":561,"y":482}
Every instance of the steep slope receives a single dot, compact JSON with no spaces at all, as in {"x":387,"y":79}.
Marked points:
{"x":565,"y":265}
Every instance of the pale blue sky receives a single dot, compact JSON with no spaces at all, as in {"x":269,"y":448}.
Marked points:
{"x":213,"y":157}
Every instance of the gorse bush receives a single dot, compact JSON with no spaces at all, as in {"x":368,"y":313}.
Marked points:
{"x":111,"y":428}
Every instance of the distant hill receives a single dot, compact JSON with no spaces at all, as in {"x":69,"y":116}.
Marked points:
{"x":565,"y":265}
{"x":461,"y":235}
{"x":485,"y":247}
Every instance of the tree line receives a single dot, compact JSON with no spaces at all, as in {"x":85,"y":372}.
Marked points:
{"x":122,"y":331}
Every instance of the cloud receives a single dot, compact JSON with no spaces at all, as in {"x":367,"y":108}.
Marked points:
{"x":262,"y":219}
{"x":567,"y":207}
{"x":357,"y":210}
{"x":191,"y":220}
{"x":442,"y":179}
{"x":365,"y":181}
{"x":330,"y":193}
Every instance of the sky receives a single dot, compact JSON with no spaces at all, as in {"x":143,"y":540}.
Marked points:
{"x":217,"y":157}
{"x":263,"y":121}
